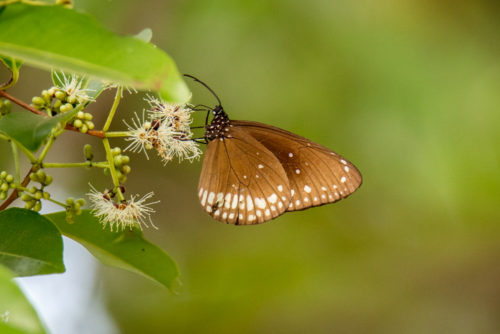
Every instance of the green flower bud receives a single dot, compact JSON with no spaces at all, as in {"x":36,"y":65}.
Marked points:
{"x":66,"y":107}
{"x":125,"y":159}
{"x":40,"y":175}
{"x":88,"y":116}
{"x":4,"y":187}
{"x":38,"y":101}
{"x":9,"y":178}
{"x":57,"y":104}
{"x":38,"y":206}
{"x":45,"y":95}
{"x":84,"y":128}
{"x":3,"y":196}
{"x":60,"y":95}
{"x":29,"y":205}
{"x":116,"y":151}
{"x":70,"y":200}
{"x":38,"y":195}
{"x":80,"y":201}
{"x":117,"y":160}
{"x":90,"y":125}
{"x":32,"y":190}
{"x":48,"y":180}
{"x":126,"y":169}
{"x":106,"y":171}
{"x":80,"y":115}
{"x":46,"y":195}
{"x":3,"y":174}
{"x":72,"y":99}
{"x":87,"y":151}
{"x":77,"y":123}
{"x":34,"y":177}
{"x":26,"y":197}
{"x":52,"y":91}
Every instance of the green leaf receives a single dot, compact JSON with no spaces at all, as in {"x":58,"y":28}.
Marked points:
{"x":127,"y":250}
{"x":16,"y":313}
{"x":145,"y":35}
{"x":29,"y":129}
{"x":55,"y":37}
{"x":29,"y":243}
{"x":13,"y":65}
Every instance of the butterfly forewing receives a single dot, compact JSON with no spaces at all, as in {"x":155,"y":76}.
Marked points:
{"x":316,"y":175}
{"x":242,"y":182}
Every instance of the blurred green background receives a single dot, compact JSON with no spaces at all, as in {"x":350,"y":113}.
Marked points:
{"x":408,"y":90}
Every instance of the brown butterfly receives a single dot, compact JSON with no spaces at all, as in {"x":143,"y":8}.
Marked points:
{"x":254,"y":172}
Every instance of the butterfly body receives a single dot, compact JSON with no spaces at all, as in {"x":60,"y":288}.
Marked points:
{"x":253,"y":172}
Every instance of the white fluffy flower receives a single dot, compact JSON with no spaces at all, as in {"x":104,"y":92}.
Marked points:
{"x":121,"y":215}
{"x":167,"y":129}
{"x":142,"y":136}
{"x":73,"y":86}
{"x":176,"y":144}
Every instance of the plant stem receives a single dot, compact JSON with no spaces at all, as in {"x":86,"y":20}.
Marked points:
{"x":103,"y":164}
{"x":15,"y":155}
{"x":14,"y":194}
{"x":115,"y":134}
{"x":109,"y":157}
{"x":114,"y":107}
{"x":30,"y":156}
{"x":20,"y":103}
{"x":46,"y":148}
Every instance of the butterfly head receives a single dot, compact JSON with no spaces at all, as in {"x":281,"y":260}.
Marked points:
{"x":219,"y":126}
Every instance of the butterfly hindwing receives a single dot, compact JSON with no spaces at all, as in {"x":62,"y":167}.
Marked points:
{"x":242,"y":182}
{"x":316,"y":174}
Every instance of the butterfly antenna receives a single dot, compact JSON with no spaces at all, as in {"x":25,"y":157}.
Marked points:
{"x":206,"y":86}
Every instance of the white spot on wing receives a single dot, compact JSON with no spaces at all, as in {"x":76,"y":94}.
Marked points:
{"x":249,"y":203}
{"x":260,"y":202}
{"x":307,"y":189}
{"x":343,"y":161}
{"x":211,"y":198}
{"x":227,"y":201}
{"x":273,"y":198}
{"x":343,"y":179}
{"x":260,"y":166}
{"x":297,"y":171}
{"x":280,"y":187}
{"x":235,"y":202}
{"x":346,"y":168}
{"x":204,"y":198}
{"x":200,"y":192}
{"x":290,"y":154}
{"x":231,"y":215}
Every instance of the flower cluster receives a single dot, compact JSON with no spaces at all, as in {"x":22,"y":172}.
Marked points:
{"x":121,"y":214}
{"x":64,"y":97}
{"x":166,"y":128}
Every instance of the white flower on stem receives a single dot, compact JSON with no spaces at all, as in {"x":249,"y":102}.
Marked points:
{"x":176,"y":144}
{"x":121,"y":215}
{"x":175,"y":115}
{"x":167,"y":130}
{"x":73,"y":87}
{"x":142,"y":135}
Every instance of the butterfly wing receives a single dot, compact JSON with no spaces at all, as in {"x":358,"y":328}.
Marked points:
{"x":241,"y":181}
{"x":316,"y":174}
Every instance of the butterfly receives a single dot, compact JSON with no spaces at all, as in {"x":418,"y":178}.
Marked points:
{"x":254,"y":172}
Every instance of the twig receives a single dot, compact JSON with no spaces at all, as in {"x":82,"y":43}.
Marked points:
{"x":13,"y":196}
{"x":95,"y":133}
